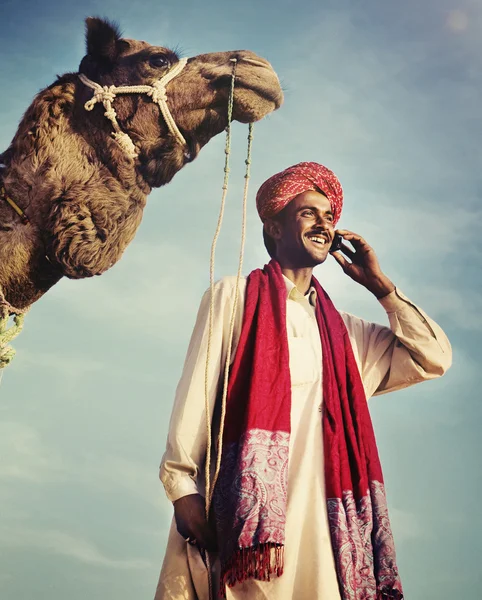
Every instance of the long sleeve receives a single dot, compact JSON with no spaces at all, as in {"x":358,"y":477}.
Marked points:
{"x":413,"y":349}
{"x":183,"y":462}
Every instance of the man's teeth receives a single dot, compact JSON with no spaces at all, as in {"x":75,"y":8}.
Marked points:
{"x":319,"y":240}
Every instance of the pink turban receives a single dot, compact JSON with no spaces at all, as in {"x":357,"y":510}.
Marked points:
{"x":278,"y":191}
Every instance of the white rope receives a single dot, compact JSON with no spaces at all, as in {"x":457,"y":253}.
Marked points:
{"x":219,"y":449}
{"x":227,"y":151}
{"x":219,"y":446}
{"x":233,"y":313}
{"x":157,"y":92}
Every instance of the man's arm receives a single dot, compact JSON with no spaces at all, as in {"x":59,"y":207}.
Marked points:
{"x":182,"y":465}
{"x":413,"y":349}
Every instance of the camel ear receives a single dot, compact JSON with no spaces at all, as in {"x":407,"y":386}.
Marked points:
{"x":102,"y":38}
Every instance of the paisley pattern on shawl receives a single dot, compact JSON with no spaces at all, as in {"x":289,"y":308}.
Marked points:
{"x":363,"y":546}
{"x":251,"y":493}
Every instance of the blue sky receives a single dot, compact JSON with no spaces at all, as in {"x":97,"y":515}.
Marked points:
{"x":388,"y":95}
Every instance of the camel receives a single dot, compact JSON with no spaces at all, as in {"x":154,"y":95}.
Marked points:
{"x":76,"y":176}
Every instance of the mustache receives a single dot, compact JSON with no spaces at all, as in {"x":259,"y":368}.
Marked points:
{"x":327,"y":234}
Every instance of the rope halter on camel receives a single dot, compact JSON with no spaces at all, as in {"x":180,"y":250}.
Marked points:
{"x":157,"y":92}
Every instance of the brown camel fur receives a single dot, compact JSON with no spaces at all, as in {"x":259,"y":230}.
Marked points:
{"x":83,"y":196}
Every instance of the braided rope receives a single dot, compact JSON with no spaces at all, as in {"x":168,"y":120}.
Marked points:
{"x":227,"y":151}
{"x":157,"y":92}
{"x":210,"y":487}
{"x":234,"y":311}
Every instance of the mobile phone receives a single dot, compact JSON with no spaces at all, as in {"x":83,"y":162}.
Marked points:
{"x":337,"y":243}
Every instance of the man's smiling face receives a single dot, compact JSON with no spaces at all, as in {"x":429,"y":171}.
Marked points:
{"x":303,"y":231}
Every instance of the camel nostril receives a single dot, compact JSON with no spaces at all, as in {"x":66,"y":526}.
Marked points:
{"x":256,"y":63}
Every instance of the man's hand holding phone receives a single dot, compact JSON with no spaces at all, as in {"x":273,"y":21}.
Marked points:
{"x":360,"y":262}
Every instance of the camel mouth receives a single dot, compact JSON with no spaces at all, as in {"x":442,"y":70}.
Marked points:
{"x":192,"y":148}
{"x":267,"y":94}
{"x":265,"y":84}
{"x":254,"y":102}
{"x":254,"y":97}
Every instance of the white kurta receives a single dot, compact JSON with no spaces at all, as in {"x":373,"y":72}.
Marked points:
{"x":414,"y":349}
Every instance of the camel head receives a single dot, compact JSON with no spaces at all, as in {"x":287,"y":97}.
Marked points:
{"x":197,"y":97}
{"x":81,"y":183}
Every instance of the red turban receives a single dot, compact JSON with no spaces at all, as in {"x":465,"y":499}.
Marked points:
{"x":280,"y":189}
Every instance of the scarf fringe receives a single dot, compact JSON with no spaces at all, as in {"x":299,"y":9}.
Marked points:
{"x":258,"y":562}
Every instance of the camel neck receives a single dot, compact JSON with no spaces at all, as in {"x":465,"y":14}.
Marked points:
{"x":6,"y":198}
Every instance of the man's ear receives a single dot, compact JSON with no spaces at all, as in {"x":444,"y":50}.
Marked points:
{"x":273,"y":228}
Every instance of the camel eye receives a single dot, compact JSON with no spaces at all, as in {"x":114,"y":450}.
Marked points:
{"x":159,"y":61}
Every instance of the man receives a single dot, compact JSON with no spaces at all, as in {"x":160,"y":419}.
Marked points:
{"x":299,"y":507}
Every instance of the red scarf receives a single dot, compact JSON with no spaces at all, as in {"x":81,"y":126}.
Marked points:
{"x":250,"y":496}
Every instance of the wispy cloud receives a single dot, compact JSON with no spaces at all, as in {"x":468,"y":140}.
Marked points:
{"x":51,"y":541}
{"x":124,"y":475}
{"x":71,"y":367}
{"x":25,"y":457}
{"x":406,"y":525}
{"x":463,"y":308}
{"x":146,"y":294}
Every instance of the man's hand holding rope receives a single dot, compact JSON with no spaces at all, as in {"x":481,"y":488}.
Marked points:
{"x":190,"y":515}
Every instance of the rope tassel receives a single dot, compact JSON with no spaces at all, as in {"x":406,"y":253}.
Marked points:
{"x":8,"y":334}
